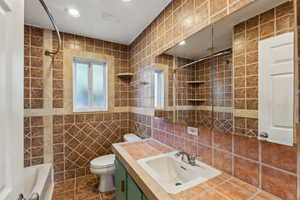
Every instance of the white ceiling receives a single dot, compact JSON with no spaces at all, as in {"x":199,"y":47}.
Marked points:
{"x":111,"y":20}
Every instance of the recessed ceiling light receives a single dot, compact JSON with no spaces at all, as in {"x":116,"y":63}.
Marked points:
{"x":126,"y":0}
{"x":73,"y":12}
{"x":182,"y":43}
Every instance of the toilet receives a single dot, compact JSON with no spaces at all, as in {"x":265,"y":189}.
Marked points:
{"x":103,"y":167}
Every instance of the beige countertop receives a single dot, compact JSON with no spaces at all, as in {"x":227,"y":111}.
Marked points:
{"x":222,"y":187}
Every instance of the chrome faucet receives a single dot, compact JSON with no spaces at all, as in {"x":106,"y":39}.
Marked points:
{"x":34,"y":196}
{"x":191,"y":159}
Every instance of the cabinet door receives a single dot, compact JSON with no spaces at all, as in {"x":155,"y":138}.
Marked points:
{"x":144,"y":197}
{"x":120,"y":181}
{"x":133,"y":191}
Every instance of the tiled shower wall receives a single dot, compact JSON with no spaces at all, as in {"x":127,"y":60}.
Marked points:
{"x":36,"y":42}
{"x":218,"y":69}
{"x":33,"y":140}
{"x":216,"y":90}
{"x":53,"y":133}
{"x":33,"y":71}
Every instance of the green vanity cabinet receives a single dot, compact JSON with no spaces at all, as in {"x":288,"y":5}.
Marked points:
{"x":133,"y":190}
{"x":120,"y":181}
{"x":144,"y":197}
{"x":126,"y":187}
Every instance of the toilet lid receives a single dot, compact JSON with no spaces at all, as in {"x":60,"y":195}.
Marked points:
{"x":103,"y":161}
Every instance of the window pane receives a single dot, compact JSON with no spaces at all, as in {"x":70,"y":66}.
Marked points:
{"x":82,"y":74}
{"x":99,"y":85}
{"x":159,"y":89}
{"x":156,"y":89}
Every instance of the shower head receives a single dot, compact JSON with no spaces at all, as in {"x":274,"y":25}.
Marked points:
{"x":52,"y":53}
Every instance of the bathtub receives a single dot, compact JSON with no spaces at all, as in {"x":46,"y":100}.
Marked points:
{"x":39,"y":179}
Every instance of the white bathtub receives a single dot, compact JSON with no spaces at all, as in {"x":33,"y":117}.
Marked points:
{"x":39,"y":179}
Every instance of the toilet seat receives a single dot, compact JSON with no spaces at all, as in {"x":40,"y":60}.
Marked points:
{"x":104,"y":167}
{"x":103,"y":162}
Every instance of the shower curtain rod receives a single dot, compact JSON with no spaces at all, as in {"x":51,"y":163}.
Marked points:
{"x":52,"y":53}
{"x":219,"y":53}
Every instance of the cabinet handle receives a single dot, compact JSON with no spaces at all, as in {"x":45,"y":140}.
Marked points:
{"x":122,"y":186}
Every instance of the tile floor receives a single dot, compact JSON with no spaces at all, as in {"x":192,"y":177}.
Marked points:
{"x":81,"y":188}
{"x":220,"y":188}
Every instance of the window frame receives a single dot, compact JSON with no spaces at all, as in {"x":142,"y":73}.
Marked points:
{"x":162,"y":74}
{"x":90,"y":63}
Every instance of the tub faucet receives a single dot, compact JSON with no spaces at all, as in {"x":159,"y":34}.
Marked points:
{"x":191,"y":159}
{"x":34,"y":196}
{"x":20,"y":197}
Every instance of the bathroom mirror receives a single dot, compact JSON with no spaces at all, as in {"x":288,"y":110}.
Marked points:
{"x":227,"y":76}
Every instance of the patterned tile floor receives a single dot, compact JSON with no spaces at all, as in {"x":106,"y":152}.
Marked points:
{"x":81,"y":188}
{"x":85,"y":188}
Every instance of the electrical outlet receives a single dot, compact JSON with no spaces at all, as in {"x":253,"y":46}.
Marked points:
{"x":192,"y":131}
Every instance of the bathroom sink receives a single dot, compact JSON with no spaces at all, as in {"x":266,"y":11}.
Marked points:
{"x":175,"y":175}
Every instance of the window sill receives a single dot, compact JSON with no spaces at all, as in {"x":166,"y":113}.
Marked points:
{"x":86,"y":110}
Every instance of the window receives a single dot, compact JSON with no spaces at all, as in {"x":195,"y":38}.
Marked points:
{"x":89,"y":85}
{"x":159,"y":91}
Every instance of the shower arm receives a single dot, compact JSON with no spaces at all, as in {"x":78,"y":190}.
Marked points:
{"x":47,"y":52}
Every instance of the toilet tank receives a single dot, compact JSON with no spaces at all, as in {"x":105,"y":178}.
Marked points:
{"x":131,"y":138}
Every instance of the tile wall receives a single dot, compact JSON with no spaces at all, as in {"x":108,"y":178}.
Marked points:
{"x":245,"y":58}
{"x":33,"y":72}
{"x":79,"y":138}
{"x":53,"y":132}
{"x":33,"y":140}
{"x":243,"y":157}
{"x":179,"y":20}
{"x":271,"y":167}
{"x":187,"y":91}
{"x":36,"y":44}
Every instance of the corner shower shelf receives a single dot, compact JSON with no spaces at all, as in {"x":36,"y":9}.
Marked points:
{"x":196,"y":82}
{"x":197,"y":100}
{"x":125,"y":75}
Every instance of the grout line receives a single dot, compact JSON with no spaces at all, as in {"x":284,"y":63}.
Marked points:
{"x":254,"y":195}
{"x":298,"y":172}
{"x":259,"y":161}
{"x":259,"y":142}
{"x":232,"y":160}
